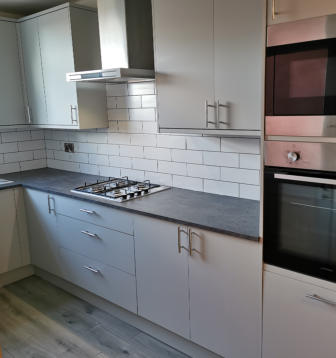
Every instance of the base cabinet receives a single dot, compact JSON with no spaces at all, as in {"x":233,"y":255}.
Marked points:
{"x":299,"y":319}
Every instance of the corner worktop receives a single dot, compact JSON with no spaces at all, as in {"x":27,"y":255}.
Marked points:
{"x":223,"y":214}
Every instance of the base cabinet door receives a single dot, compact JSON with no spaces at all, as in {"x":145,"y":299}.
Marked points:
{"x":225,"y":294}
{"x":299,"y":319}
{"x":162,"y":275}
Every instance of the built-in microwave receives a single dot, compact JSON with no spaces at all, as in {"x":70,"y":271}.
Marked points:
{"x":301,"y":78}
{"x":300,"y":207}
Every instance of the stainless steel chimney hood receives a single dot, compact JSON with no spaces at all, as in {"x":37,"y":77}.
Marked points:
{"x":126,"y":41}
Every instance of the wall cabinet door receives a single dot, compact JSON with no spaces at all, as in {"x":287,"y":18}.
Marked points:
{"x":225,"y":280}
{"x":239,"y":28}
{"x":292,"y":10}
{"x":162,"y":275}
{"x":42,"y":225}
{"x":30,"y":44}
{"x":183,"y":35}
{"x":58,"y":59}
{"x":11,"y":98}
{"x":10,"y":247}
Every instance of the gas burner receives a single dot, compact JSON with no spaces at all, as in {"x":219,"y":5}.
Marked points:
{"x":119,"y":189}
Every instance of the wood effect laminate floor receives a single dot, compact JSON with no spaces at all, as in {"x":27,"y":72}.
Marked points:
{"x":39,"y":320}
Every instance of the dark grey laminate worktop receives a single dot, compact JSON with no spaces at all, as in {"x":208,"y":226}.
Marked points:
{"x":223,"y":214}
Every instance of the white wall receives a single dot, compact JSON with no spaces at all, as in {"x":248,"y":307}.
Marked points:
{"x":131,"y":147}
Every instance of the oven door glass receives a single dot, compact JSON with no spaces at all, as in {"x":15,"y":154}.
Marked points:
{"x":301,"y":79}
{"x":300,"y":223}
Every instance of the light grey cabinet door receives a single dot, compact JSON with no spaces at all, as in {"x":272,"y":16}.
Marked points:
{"x":57,"y":60}
{"x":12,"y":107}
{"x":239,"y":39}
{"x":42,"y":227}
{"x":225,"y":280}
{"x":183,"y":36}
{"x":162,"y":275}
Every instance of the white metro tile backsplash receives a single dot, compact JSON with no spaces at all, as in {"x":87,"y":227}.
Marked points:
{"x":132,"y":147}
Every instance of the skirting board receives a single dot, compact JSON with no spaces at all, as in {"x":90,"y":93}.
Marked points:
{"x":16,"y":275}
{"x":173,"y":340}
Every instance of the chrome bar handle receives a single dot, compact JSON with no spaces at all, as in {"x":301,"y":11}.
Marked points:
{"x":321,"y":299}
{"x":28,"y":114}
{"x":74,"y":121}
{"x":179,"y":245}
{"x":49,"y":207}
{"x":90,"y":234}
{"x":207,"y":105}
{"x":91,"y":269}
{"x":274,"y":12}
{"x":218,"y":107}
{"x":190,"y":236}
{"x":303,"y":179}
{"x":90,"y":212}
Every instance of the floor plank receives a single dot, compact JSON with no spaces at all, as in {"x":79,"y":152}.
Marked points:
{"x":39,"y":320}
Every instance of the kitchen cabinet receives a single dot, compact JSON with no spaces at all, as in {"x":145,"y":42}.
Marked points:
{"x":14,"y":249}
{"x":292,"y":10}
{"x":209,"y":58}
{"x":54,"y":42}
{"x":211,"y":297}
{"x":11,"y":100}
{"x":299,"y":318}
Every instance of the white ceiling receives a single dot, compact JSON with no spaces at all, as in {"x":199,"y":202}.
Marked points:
{"x":26,"y":7}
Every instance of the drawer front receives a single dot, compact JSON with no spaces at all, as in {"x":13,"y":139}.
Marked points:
{"x":103,"y":245}
{"x":94,"y":213}
{"x":294,"y":324}
{"x":114,"y":285}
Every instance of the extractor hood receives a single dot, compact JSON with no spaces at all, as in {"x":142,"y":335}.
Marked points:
{"x":126,"y":41}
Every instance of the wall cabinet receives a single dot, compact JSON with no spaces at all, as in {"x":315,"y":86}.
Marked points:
{"x":299,"y":318}
{"x":14,"y":247}
{"x":54,"y":42}
{"x":209,"y":59}
{"x":11,"y":99}
{"x":292,"y":10}
{"x":212,"y":296}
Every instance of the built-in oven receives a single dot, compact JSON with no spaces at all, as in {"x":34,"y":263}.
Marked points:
{"x":300,"y":207}
{"x":301,"y":78}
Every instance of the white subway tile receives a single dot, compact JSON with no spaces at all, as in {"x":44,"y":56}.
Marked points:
{"x":143,"y":139}
{"x":203,"y":143}
{"x":142,"y":88}
{"x":63,"y":165}
{"x":249,"y":161}
{"x":96,"y":137}
{"x":116,"y":89}
{"x":1,"y":158}
{"x":78,"y":136}
{"x":188,"y":183}
{"x":53,"y":144}
{"x":50,"y":154}
{"x":109,"y":172}
{"x":142,"y":114}
{"x":150,"y":127}
{"x":98,"y":159}
{"x":37,"y":134}
{"x":15,"y":136}
{"x":132,"y":174}
{"x":108,"y":149}
{"x":250,"y":192}
{"x":221,"y":159}
{"x":149,"y":101}
{"x":9,"y":168}
{"x":159,"y":178}
{"x":236,"y":175}
{"x":118,"y":114}
{"x":187,"y":156}
{"x":40,"y":154}
{"x":34,"y":164}
{"x":131,"y":151}
{"x":119,"y":138}
{"x":85,"y":147}
{"x":221,"y":188}
{"x":157,"y":153}
{"x":203,"y":171}
{"x":113,"y":126}
{"x":112,"y":102}
{"x":31,"y":145}
{"x":48,"y":134}
{"x":61,"y":135}
{"x":240,"y":145}
{"x":128,"y":102}
{"x":130,"y":127}
{"x":89,"y":169}
{"x":172,"y":168}
{"x":171,"y":141}
{"x":120,"y":162}
{"x":145,"y":164}
{"x":18,"y":157}
{"x":72,"y":157}
{"x":8,"y":147}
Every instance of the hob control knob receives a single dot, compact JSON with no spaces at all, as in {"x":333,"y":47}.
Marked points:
{"x":293,"y":157}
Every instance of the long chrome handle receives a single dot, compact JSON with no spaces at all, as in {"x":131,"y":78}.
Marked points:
{"x":91,"y":269}
{"x":274,"y":12}
{"x":305,"y":179}
{"x":90,"y":234}
{"x":49,"y":206}
{"x":179,"y":245}
{"x":207,"y":105}
{"x":190,"y":236}
{"x":28,"y":115}
{"x":321,"y":299}
{"x":90,"y":212}
{"x":74,"y":121}
{"x":218,"y":107}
